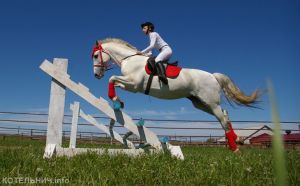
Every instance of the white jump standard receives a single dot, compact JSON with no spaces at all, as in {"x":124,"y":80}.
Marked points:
{"x":60,"y":81}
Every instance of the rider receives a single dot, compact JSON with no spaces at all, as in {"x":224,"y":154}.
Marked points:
{"x":157,"y":42}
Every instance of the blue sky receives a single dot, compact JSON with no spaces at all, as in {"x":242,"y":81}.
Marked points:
{"x":250,"y":41}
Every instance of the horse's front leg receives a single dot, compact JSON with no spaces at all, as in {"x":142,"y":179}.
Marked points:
{"x":120,"y":81}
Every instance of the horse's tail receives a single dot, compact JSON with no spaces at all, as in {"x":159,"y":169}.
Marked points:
{"x":233,"y":93}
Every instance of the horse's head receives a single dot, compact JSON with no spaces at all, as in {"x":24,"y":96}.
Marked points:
{"x":110,"y":49}
{"x":100,"y":59}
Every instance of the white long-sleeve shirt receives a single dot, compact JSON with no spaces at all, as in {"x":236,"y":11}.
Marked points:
{"x":155,"y":42}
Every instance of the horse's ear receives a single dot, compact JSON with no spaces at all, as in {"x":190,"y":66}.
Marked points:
{"x":97,"y":43}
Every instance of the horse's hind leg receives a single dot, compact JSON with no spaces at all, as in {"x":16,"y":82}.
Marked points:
{"x":226,"y":124}
{"x":215,"y":109}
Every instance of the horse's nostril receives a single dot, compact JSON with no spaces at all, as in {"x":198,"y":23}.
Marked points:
{"x":95,"y":56}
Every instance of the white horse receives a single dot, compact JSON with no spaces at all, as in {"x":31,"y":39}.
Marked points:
{"x":202,"y":88}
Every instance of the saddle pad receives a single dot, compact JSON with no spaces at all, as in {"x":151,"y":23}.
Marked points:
{"x":171,"y":71}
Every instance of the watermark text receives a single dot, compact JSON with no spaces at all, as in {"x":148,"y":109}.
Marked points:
{"x":38,"y":180}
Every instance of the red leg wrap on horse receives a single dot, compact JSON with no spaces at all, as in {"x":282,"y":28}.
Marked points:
{"x":111,"y":90}
{"x":231,"y":141}
{"x":231,"y":129}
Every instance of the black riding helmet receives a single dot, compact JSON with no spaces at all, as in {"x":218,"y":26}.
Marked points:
{"x":149,"y":24}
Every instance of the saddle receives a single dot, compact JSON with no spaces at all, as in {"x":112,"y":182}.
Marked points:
{"x":172,"y":71}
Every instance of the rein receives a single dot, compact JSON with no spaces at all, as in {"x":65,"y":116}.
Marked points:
{"x":129,"y":56}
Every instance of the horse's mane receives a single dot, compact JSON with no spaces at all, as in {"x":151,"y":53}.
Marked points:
{"x":119,"y":41}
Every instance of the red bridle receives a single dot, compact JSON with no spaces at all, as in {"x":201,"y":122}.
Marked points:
{"x":99,"y":48}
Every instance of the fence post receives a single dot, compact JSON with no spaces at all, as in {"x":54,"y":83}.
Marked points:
{"x":56,"y":106}
{"x":76,"y":109}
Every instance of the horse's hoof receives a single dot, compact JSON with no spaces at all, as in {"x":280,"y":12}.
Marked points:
{"x":117,"y":105}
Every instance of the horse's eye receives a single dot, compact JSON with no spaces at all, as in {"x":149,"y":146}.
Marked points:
{"x":95,"y":56}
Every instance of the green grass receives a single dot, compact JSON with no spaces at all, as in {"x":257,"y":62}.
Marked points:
{"x":203,"y":166}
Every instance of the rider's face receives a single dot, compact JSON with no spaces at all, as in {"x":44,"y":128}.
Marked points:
{"x":145,"y":29}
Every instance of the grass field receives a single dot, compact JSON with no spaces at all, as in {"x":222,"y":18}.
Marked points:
{"x":22,"y":159}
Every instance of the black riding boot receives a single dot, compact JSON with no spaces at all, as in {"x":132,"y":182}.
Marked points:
{"x":162,"y":72}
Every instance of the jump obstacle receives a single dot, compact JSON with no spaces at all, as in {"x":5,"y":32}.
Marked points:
{"x":60,"y":81}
